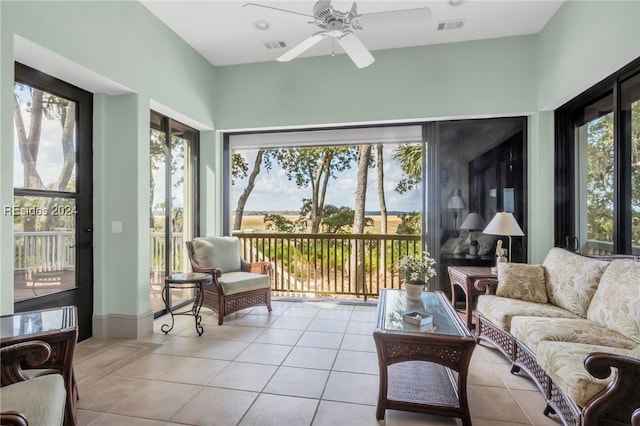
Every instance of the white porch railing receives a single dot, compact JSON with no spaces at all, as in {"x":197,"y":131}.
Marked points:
{"x":44,"y":251}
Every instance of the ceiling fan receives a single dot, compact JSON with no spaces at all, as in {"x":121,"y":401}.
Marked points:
{"x":339,"y":20}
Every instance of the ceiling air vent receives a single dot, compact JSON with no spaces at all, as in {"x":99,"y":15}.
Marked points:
{"x":278,"y":44}
{"x":453,"y":24}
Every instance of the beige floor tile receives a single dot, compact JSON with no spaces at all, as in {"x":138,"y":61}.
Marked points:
{"x":352,"y":387}
{"x":291,"y":323}
{"x":318,"y":339}
{"x":276,"y":310}
{"x":357,"y":362}
{"x":264,"y":353}
{"x":301,"y":312}
{"x":221,"y":349}
{"x":232,"y":332}
{"x":533,"y":404}
{"x":334,"y":314}
{"x":194,"y":371}
{"x":311,"y":358}
{"x":179,"y":345}
{"x":85,"y":417}
{"x":328,"y":325}
{"x":279,"y":336}
{"x":149,"y":366}
{"x":492,"y":354}
{"x":155,"y":401}
{"x":302,"y":382}
{"x":520,"y":380}
{"x":485,"y":422}
{"x":108,"y":391}
{"x":278,"y":410}
{"x":483,"y":374}
{"x":262,"y":321}
{"x":244,"y":376}
{"x":358,"y":342}
{"x":331,"y":413}
{"x":215,"y":407}
{"x":116,"y":420}
{"x":494,"y":404}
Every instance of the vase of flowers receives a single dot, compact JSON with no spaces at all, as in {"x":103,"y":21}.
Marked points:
{"x":415,"y":273}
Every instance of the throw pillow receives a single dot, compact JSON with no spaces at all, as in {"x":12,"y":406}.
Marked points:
{"x":522,"y":281}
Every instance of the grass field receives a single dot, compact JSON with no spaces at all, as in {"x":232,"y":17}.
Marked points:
{"x":257,"y":223}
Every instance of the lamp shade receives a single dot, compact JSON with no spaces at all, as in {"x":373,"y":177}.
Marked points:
{"x":456,"y":202}
{"x":503,"y":223}
{"x":473,"y":222}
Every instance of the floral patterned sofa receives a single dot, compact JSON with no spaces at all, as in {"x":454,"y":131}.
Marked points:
{"x":573,"y":324}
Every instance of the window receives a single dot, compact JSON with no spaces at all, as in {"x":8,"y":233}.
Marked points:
{"x":598,"y":167}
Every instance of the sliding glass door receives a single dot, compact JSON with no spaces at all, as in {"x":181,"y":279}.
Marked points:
{"x":172,"y":204}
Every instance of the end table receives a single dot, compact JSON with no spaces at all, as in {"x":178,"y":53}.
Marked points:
{"x":465,"y":278}
{"x":193,"y":280}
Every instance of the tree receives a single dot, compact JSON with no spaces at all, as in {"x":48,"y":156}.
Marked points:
{"x":357,"y":255}
{"x":409,"y":156}
{"x":240,"y":168}
{"x":43,"y":105}
{"x":336,"y":219}
{"x":410,"y":224}
{"x":381,"y":198}
{"x":279,"y":223}
{"x":313,"y":167}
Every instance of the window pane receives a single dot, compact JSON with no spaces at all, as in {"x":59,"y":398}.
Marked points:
{"x":157,"y":217}
{"x":44,"y":140}
{"x":595,"y":138}
{"x":631,"y":122}
{"x":45,"y":252}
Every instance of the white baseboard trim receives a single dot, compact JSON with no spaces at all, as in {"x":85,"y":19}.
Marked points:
{"x":122,"y":326}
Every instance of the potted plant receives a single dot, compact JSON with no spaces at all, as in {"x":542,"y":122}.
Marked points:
{"x":415,"y":273}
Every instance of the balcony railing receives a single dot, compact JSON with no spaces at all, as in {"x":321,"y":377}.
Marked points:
{"x":44,"y":251}
{"x":329,"y":265}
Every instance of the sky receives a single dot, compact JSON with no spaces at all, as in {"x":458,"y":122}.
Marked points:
{"x":274,"y":192}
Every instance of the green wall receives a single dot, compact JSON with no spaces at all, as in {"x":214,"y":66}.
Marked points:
{"x":530,"y":75}
{"x":125,"y":43}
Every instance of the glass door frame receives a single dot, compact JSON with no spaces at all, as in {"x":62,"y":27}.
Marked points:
{"x":82,"y":295}
{"x":566,"y":188}
{"x":171,"y":128}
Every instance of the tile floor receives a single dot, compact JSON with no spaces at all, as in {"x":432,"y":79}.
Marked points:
{"x":306,"y":363}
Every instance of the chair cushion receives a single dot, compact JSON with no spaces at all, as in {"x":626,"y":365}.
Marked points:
{"x":41,"y":399}
{"x":531,"y":331}
{"x":501,"y":310}
{"x":239,"y":282}
{"x":522,"y":281}
{"x":564,"y":363}
{"x":616,"y":303}
{"x":217,"y":252}
{"x":572,"y":279}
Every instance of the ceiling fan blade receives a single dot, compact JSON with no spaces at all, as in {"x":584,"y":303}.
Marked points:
{"x":278,"y":9}
{"x":356,"y":50}
{"x":302,"y":46}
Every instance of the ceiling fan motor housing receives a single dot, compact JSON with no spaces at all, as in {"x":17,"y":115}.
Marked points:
{"x":335,"y":21}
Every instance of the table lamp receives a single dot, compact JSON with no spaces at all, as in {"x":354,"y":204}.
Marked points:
{"x":504,"y":224}
{"x":456,"y":203}
{"x":473,"y":222}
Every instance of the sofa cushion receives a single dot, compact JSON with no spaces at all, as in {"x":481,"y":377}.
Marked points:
{"x":239,"y":282}
{"x":616,"y":303}
{"x":531,"y":331}
{"x":217,"y":252}
{"x":522,"y":281}
{"x":500,"y":310}
{"x":564,"y":363}
{"x":572,"y":279}
{"x":41,"y":399}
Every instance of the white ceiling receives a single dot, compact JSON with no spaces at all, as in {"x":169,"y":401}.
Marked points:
{"x":224,"y":31}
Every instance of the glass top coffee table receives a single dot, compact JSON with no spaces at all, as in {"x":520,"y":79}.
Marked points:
{"x":422,"y":368}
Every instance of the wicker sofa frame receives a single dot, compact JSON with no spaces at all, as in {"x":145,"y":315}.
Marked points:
{"x":223,"y":305}
{"x":616,"y":405}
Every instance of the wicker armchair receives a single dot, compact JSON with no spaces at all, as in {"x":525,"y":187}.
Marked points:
{"x":236,"y":284}
{"x":24,"y":400}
